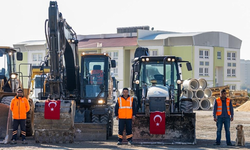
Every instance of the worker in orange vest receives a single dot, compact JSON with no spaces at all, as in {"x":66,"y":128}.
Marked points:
{"x":223,"y":113}
{"x":125,"y":112}
{"x":19,"y":107}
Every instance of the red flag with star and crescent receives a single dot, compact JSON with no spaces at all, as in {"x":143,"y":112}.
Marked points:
{"x":52,"y":109}
{"x":157,"y":122}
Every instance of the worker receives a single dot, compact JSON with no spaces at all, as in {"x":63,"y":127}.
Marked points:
{"x":223,"y":113}
{"x":19,"y":107}
{"x":125,"y":112}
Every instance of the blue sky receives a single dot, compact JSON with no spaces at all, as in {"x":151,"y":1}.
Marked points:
{"x":23,"y":20}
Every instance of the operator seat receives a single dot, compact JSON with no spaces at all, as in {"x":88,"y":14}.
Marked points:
{"x":96,"y":75}
{"x":159,"y":78}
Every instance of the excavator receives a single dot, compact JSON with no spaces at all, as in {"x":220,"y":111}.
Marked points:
{"x":157,"y":87}
{"x":85,"y":97}
{"x":10,"y":80}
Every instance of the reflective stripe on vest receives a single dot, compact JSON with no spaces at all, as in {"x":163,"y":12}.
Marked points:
{"x":122,"y":107}
{"x":219,"y":106}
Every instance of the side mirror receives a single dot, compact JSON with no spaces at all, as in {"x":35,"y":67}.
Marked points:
{"x":19,"y":56}
{"x":113,"y":63}
{"x":136,"y":68}
{"x":189,"y":66}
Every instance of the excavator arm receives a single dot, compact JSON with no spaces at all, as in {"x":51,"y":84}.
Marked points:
{"x":62,"y":56}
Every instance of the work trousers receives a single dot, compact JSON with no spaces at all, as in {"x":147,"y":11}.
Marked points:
{"x":122,"y":124}
{"x":219,"y":123}
{"x":16,"y":123}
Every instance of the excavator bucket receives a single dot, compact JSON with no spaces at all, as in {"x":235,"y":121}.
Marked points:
{"x":5,"y":124}
{"x":179,"y":129}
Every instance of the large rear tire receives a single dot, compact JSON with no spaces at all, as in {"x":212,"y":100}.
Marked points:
{"x":95,"y":119}
{"x":30,"y":119}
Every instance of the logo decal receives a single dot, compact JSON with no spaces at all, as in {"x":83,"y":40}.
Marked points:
{"x":52,"y":109}
{"x":157,"y":116}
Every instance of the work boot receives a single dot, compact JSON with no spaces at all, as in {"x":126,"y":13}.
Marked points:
{"x":230,"y":144}
{"x":13,"y":142}
{"x":119,"y":143}
{"x":24,"y":142}
{"x":130,"y":143}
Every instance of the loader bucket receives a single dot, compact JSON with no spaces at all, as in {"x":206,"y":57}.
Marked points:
{"x":179,"y":129}
{"x":5,"y":123}
{"x":51,"y":130}
{"x":90,"y":131}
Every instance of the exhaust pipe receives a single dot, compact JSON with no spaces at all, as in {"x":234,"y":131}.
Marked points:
{"x":199,"y":94}
{"x":205,"y":104}
{"x":187,"y":94}
{"x":195,"y":104}
{"x":203,"y":83}
{"x":207,"y":93}
{"x":191,"y":84}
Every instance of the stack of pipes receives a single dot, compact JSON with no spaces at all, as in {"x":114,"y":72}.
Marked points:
{"x":199,"y":93}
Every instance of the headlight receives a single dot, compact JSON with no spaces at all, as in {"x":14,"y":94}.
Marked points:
{"x":179,"y":81}
{"x":13,"y":76}
{"x":100,"y":101}
{"x":137,"y":82}
{"x":147,"y":59}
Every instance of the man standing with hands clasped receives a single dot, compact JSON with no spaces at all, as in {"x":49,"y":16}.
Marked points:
{"x":125,"y":111}
{"x":223,"y":113}
{"x":19,"y":107}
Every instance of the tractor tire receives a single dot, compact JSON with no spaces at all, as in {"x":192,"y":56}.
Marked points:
{"x":105,"y":118}
{"x":7,"y":100}
{"x":30,"y":119}
{"x":110,"y":129}
{"x":95,"y":119}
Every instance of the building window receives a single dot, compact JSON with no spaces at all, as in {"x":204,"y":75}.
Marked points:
{"x":229,"y":72}
{"x":206,"y":54}
{"x":201,"y":54}
{"x":110,"y":54}
{"x":201,"y":63}
{"x":206,"y":71}
{"x":229,"y":64}
{"x":228,"y":56}
{"x":234,"y":64}
{"x":115,"y":70}
{"x":200,"y":71}
{"x":206,"y":63}
{"x":153,"y":52}
{"x":219,"y":55}
{"x":233,"y":72}
{"x":115,"y":56}
{"x":233,"y":56}
{"x":232,"y":87}
{"x":37,"y":58}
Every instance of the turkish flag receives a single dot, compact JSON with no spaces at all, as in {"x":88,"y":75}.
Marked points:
{"x":157,"y":122}
{"x":52,"y":109}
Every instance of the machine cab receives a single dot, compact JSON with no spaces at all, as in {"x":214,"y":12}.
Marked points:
{"x":8,"y":68}
{"x":96,"y":87}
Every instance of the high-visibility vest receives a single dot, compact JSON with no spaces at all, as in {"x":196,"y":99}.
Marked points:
{"x":125,"y":108}
{"x":219,"y":106}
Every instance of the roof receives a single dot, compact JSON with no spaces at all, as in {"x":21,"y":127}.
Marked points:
{"x":32,"y":42}
{"x":211,"y":39}
{"x":108,"y":42}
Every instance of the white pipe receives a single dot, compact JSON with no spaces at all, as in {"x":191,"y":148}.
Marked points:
{"x":202,"y":83}
{"x":207,"y":93}
{"x":199,"y":94}
{"x":195,"y":104}
{"x":204,"y":104}
{"x":211,"y":99}
{"x":188,"y":93}
{"x":191,"y":84}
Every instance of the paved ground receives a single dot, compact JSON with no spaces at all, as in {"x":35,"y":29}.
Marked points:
{"x":205,"y":134}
